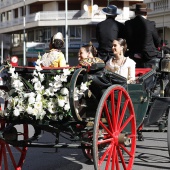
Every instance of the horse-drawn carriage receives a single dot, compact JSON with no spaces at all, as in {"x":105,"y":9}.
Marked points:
{"x":101,"y":112}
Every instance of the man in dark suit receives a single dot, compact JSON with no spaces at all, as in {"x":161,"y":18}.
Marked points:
{"x":142,"y":37}
{"x":107,"y":31}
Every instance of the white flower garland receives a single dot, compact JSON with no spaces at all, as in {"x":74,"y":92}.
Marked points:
{"x":51,"y":99}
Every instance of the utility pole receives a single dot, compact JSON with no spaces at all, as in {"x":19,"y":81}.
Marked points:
{"x":24,"y":42}
{"x":66,"y":30}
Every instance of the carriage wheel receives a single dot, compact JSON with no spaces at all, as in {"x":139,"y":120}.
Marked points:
{"x":13,"y":157}
{"x":114,"y":135}
{"x":168,"y":132}
{"x":77,"y":107}
{"x":87,"y":152}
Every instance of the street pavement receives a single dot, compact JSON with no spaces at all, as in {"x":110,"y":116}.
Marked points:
{"x":151,"y":154}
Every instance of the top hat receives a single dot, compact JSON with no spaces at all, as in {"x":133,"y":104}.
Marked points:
{"x":141,"y":7}
{"x":111,"y":10}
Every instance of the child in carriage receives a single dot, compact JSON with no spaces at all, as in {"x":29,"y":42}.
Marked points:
{"x":87,"y":56}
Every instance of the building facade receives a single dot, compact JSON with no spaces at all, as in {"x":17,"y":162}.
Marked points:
{"x":161,"y":15}
{"x":31,"y":23}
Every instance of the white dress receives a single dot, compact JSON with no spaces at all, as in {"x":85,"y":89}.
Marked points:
{"x":126,"y":70}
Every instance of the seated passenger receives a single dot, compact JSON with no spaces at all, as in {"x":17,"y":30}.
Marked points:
{"x":87,"y":55}
{"x":120,"y":64}
{"x":55,"y":58}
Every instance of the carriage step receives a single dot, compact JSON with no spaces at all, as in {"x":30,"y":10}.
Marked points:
{"x":59,"y":145}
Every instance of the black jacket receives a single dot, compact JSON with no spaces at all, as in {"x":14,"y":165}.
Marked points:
{"x":107,"y":31}
{"x":142,"y":37}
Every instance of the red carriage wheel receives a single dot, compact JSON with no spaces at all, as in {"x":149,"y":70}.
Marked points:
{"x":114,"y":135}
{"x":13,"y":157}
{"x":168,"y":132}
{"x":87,"y":152}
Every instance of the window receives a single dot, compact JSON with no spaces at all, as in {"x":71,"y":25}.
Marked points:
{"x":47,"y":34}
{"x":75,"y":32}
{"x":93,"y":32}
{"x":30,"y":36}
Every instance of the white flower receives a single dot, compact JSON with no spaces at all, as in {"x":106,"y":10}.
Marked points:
{"x":41,"y":76}
{"x":57,"y":86}
{"x":35,"y":80}
{"x":61,"y":102}
{"x":38,"y":98}
{"x":16,"y":112}
{"x":31,"y":100}
{"x":64,"y":91}
{"x":12,"y":70}
{"x":38,"y":62}
{"x":49,"y":91}
{"x":63,"y":78}
{"x":51,"y":107}
{"x":38,"y":105}
{"x":83,"y":86}
{"x":38,"y":86}
{"x":38,"y":67}
{"x":35,"y":73}
{"x":29,"y":110}
{"x":67,"y":107}
{"x":57,"y":78}
{"x":32,"y":94}
{"x":66,"y":72}
{"x":18,"y":85}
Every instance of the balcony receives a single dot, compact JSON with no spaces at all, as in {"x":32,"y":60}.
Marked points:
{"x":160,"y":12}
{"x":51,"y":18}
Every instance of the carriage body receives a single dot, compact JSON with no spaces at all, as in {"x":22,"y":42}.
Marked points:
{"x":104,"y":123}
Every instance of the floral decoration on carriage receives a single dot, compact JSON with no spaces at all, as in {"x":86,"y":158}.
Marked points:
{"x":41,"y":95}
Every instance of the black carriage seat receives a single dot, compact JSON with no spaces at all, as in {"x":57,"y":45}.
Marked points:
{"x":103,"y":79}
{"x":146,"y":77}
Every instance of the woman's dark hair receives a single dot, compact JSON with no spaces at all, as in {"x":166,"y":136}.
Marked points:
{"x":90,"y":48}
{"x":123,"y":43}
{"x":57,"y":44}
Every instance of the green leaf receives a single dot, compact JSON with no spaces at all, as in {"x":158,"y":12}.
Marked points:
{"x":27,"y":83}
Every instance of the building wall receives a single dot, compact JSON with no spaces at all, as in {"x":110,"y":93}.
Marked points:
{"x":52,"y":6}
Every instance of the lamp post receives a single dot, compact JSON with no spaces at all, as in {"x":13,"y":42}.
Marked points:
{"x":66,"y":30}
{"x":2,"y":49}
{"x":24,"y":42}
{"x":108,"y":1}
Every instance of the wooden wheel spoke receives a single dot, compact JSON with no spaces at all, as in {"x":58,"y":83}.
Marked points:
{"x":114,"y":157}
{"x":126,"y":122}
{"x":11,"y":155}
{"x":112,"y":98}
{"x":108,"y":116}
{"x":122,"y":114}
{"x":127,"y":151}
{"x":109,"y":157}
{"x":117,"y":163}
{"x":104,"y":141}
{"x":122,"y":158}
{"x":106,"y":129}
{"x":102,"y":158}
{"x":118,"y":106}
{"x":5,"y":157}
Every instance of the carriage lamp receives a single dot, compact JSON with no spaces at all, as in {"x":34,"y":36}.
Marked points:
{"x":14,"y":61}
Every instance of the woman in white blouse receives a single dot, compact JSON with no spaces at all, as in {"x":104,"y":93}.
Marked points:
{"x":120,"y":64}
